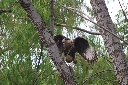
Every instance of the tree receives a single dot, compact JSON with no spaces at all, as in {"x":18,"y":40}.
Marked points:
{"x":112,"y":43}
{"x":25,"y":60}
{"x":48,"y":42}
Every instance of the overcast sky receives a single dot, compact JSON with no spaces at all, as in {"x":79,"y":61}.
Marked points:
{"x":113,"y":6}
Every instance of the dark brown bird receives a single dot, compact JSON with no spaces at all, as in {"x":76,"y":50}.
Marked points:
{"x":70,"y":47}
{"x":69,"y":50}
{"x":58,"y":40}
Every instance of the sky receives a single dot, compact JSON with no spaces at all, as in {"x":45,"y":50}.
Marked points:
{"x":113,"y":6}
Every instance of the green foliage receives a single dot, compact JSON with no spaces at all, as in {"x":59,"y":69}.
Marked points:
{"x":97,"y":74}
{"x":122,"y":27}
{"x":20,"y":47}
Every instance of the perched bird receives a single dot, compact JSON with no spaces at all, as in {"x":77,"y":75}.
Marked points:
{"x":58,"y":40}
{"x":70,"y":47}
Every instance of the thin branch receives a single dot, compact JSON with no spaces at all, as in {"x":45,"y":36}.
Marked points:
{"x":69,"y":8}
{"x":5,"y":11}
{"x":82,"y":13}
{"x":36,"y":77}
{"x":51,"y":16}
{"x":96,"y":74}
{"x":123,"y":11}
{"x":125,"y":18}
{"x":9,"y":7}
{"x":77,"y":28}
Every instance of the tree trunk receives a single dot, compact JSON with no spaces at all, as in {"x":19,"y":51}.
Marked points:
{"x":113,"y":45}
{"x":47,"y":40}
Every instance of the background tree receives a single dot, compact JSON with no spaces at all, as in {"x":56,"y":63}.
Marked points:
{"x":20,"y":45}
{"x":112,"y":43}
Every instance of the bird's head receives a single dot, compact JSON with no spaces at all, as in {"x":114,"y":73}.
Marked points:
{"x":67,"y":42}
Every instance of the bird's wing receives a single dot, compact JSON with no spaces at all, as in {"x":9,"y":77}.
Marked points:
{"x":85,"y":50}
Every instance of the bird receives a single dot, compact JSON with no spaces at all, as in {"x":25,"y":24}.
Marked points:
{"x":78,"y":45}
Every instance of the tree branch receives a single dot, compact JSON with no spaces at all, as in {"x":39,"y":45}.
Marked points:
{"x":51,"y":17}
{"x":96,"y":74}
{"x":111,"y":42}
{"x":77,"y":28}
{"x":5,"y":11}
{"x":123,"y":12}
{"x":48,"y":42}
{"x":74,"y":11}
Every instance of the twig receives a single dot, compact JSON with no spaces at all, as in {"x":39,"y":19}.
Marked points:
{"x":124,"y":16}
{"x":77,"y":10}
{"x":96,"y":74}
{"x":5,"y":11}
{"x":123,"y":12}
{"x":9,"y":7}
{"x":51,"y":16}
{"x":36,"y":77}
{"x":77,"y":28}
{"x":69,"y":8}
{"x":110,"y":80}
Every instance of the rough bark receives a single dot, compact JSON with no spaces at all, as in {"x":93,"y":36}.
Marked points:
{"x":114,"y":48}
{"x":47,"y":40}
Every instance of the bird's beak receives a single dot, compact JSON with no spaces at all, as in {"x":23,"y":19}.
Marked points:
{"x":63,"y":40}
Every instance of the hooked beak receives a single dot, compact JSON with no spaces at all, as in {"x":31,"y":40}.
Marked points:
{"x":63,"y":40}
